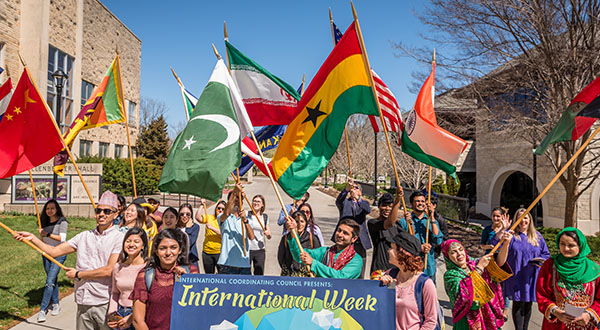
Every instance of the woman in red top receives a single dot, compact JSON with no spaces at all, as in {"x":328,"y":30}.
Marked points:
{"x":567,"y":285}
{"x":152,"y":301}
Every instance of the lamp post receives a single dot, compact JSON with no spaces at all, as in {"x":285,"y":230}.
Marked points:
{"x":59,"y":82}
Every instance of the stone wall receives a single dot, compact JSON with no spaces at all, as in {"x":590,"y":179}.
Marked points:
{"x":63,"y":24}
{"x":10,"y":16}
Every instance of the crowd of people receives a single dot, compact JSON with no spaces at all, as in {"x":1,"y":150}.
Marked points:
{"x":126,"y":267}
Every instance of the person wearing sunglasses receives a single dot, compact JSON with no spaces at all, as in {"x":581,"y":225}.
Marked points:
{"x":97,"y":253}
{"x":186,"y":223}
{"x":211,"y":249}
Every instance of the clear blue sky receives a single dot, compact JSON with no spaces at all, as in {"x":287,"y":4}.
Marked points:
{"x":289,"y":38}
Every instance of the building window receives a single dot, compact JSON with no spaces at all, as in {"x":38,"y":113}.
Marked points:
{"x":2,"y":57}
{"x":86,"y":91}
{"x":60,"y":60}
{"x":85,"y":148}
{"x":118,"y":151}
{"x":103,"y":150}
{"x":131,"y":112}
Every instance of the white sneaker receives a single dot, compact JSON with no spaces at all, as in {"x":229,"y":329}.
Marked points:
{"x":55,"y":309}
{"x":41,"y":317}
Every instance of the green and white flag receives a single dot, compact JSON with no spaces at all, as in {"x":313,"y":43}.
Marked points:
{"x":208,"y":149}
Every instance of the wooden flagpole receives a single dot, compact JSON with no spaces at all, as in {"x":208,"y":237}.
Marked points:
{"x":120,"y":86}
{"x":385,"y":130}
{"x":303,"y":85}
{"x":550,"y":184}
{"x":262,"y":157}
{"x":428,"y":214}
{"x":33,"y":246}
{"x":187,"y":115}
{"x":345,"y":129}
{"x":37,"y":210}
{"x":62,"y":139}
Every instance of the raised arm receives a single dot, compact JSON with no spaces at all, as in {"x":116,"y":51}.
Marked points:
{"x":393,"y":217}
{"x":53,"y":251}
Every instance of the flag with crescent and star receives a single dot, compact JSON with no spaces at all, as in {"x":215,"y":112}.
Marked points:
{"x":208,"y":149}
{"x":28,"y":135}
{"x":340,"y":88}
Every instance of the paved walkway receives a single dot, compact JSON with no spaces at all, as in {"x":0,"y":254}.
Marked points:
{"x":326,"y":216}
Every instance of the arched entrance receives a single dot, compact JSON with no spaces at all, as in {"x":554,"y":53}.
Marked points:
{"x":517,"y":192}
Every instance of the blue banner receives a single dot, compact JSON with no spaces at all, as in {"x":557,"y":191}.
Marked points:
{"x":268,"y":138}
{"x":227,"y":302}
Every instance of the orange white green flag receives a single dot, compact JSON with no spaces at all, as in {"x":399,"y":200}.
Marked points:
{"x":423,"y":139}
{"x":104,"y":107}
{"x":340,"y":88}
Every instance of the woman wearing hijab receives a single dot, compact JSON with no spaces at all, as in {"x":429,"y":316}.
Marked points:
{"x":475,"y":297}
{"x":567,"y":285}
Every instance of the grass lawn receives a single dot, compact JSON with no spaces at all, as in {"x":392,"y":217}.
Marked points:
{"x":22,"y":275}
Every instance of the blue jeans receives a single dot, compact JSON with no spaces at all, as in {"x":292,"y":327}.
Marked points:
{"x":51,"y":288}
{"x":124,"y":311}
{"x":223,"y":269}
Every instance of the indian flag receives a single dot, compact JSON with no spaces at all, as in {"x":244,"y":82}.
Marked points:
{"x":268,"y":99}
{"x":423,"y":139}
{"x":340,"y":88}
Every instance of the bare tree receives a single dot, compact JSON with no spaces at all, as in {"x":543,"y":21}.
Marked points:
{"x":151,"y":109}
{"x":523,"y":61}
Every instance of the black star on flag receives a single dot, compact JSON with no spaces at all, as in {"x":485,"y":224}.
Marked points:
{"x":314,"y":114}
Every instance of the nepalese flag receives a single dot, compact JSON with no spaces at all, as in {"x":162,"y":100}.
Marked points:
{"x":268,"y":138}
{"x":580,"y":115}
{"x":104,"y":107}
{"x":389,"y":108}
{"x":5,"y":96}
{"x":268,"y":99}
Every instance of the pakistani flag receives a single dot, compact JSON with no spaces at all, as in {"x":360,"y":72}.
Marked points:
{"x":208,"y":149}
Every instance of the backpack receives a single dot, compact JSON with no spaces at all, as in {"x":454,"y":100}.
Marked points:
{"x":149,"y":276}
{"x":419,"y":284}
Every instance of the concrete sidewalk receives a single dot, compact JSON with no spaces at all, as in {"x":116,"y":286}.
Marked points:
{"x":326,"y":216}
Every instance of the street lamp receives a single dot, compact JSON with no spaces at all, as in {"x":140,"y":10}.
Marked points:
{"x":59,"y":82}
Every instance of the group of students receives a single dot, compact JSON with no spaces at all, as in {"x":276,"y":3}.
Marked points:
{"x":126,"y":267}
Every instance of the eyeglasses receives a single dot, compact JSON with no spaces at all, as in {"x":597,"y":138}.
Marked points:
{"x":106,"y":211}
{"x":356,"y":187}
{"x":220,"y":208}
{"x":185,"y":214}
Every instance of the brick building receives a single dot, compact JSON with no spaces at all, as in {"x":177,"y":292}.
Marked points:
{"x":80,"y":37}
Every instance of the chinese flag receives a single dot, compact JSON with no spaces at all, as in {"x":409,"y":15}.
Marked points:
{"x":28,"y":135}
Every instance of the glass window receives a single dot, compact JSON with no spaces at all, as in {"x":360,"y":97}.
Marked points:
{"x":57,"y":59}
{"x":103,"y":150}
{"x":118,"y":151}
{"x":86,"y":91}
{"x":85,"y":148}
{"x":131,"y":112}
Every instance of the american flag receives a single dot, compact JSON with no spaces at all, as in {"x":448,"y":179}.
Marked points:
{"x":389,"y":108}
{"x":5,"y":96}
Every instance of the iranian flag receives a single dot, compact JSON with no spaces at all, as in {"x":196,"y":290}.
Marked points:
{"x":423,"y":139}
{"x":268,"y":99}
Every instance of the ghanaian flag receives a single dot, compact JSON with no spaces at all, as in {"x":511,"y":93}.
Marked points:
{"x":340,"y":88}
{"x":104,"y":107}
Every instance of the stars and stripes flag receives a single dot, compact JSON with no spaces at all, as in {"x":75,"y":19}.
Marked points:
{"x":5,"y":96}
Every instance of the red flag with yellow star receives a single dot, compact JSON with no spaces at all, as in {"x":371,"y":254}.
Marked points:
{"x":28,"y":135}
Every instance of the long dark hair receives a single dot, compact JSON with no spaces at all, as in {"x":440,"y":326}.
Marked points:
{"x":310,"y":220}
{"x":140,"y":220}
{"x":142,"y":234}
{"x":174,"y":234}
{"x":300,"y":214}
{"x":44,"y":218}
{"x":219,"y":203}
{"x":180,"y":223}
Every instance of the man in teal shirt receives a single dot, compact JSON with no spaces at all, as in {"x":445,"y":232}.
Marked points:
{"x":338,"y":261}
{"x":419,"y":222}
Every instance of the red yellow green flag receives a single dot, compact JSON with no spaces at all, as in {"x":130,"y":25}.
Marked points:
{"x":104,"y":107}
{"x":340,"y":88}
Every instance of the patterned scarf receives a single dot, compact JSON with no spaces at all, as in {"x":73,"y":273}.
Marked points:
{"x":342,"y":260}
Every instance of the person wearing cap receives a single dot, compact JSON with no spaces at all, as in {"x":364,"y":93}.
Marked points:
{"x":97,"y":253}
{"x":351,"y":205}
{"x":155,"y":216}
{"x":337,"y":261}
{"x":420,"y":219}
{"x":148,"y":225}
{"x":383,"y":227}
{"x":410,"y":281}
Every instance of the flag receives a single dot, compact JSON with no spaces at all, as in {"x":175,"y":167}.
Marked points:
{"x":5,"y":96}
{"x":208,"y":149}
{"x":424,"y":140}
{"x":389,"y":108}
{"x":104,"y":107}
{"x":268,"y":99}
{"x":387,"y":100}
{"x":28,"y":135}
{"x":1,"y":69}
{"x":340,"y":88}
{"x":579,"y":116}
{"x":189,"y":100}
{"x":268,"y":138}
